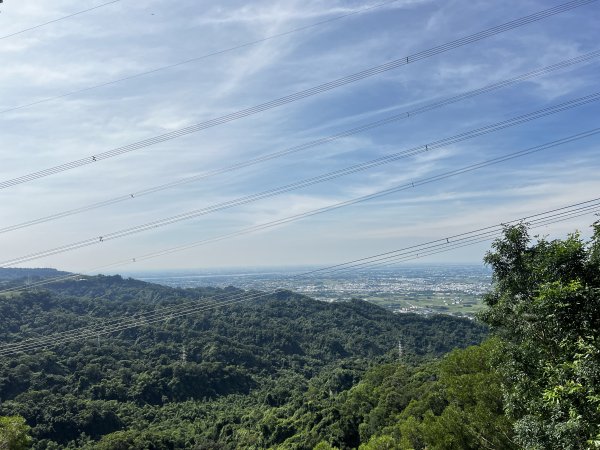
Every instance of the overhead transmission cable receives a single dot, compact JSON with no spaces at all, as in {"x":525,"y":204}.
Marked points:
{"x":560,"y":214}
{"x":396,"y":117}
{"x":472,"y":241}
{"x":487,"y":238}
{"x":298,"y":95}
{"x":460,"y":242}
{"x":199,"y":58}
{"x":175,"y":311}
{"x":324,"y":177}
{"x":377,"y":194}
{"x":574,"y":208}
{"x":58,"y":20}
{"x":289,"y":219}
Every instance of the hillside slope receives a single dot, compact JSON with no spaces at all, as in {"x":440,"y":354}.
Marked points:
{"x":230,"y":361}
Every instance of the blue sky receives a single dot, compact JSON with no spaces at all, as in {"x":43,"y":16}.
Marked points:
{"x":128,"y":37}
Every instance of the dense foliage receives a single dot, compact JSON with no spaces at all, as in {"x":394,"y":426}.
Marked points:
{"x":536,"y":385}
{"x":268,"y":372}
{"x":289,"y":372}
{"x":14,"y":433}
{"x":546,"y":307}
{"x":454,"y":403}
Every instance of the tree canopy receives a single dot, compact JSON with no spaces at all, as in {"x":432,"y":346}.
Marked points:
{"x":290,"y":372}
{"x":237,"y":376}
{"x":546,"y":307}
{"x":14,"y":433}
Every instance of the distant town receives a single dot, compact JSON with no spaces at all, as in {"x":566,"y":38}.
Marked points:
{"x":445,"y":289}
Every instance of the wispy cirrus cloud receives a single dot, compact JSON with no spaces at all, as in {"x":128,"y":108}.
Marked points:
{"x":133,"y":37}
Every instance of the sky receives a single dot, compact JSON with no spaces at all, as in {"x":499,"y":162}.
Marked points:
{"x":127,"y":37}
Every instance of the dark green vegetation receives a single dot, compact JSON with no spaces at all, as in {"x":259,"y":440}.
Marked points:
{"x":546,"y":309}
{"x":535,"y":385}
{"x":255,"y":373}
{"x":292,"y":373}
{"x":454,"y":403}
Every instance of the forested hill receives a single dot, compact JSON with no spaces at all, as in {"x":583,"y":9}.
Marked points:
{"x":231,"y":361}
{"x":8,"y":275}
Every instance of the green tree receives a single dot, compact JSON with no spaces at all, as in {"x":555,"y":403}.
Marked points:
{"x":324,"y":446}
{"x":463,"y":409}
{"x":14,"y":433}
{"x":474,"y":417}
{"x":268,"y":373}
{"x":546,"y":307}
{"x":452,"y":404}
{"x":380,"y":443}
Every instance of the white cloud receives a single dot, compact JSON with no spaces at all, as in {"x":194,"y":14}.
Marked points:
{"x":130,"y":37}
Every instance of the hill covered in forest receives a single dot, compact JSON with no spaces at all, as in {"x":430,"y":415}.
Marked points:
{"x":15,"y":276}
{"x":202,"y":380}
{"x":284,"y":371}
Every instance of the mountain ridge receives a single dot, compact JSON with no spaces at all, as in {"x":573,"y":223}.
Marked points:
{"x":250,"y":350}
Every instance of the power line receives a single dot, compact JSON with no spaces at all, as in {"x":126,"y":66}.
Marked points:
{"x":364,"y":166}
{"x":298,"y":95}
{"x":176,"y":311}
{"x":283,"y":221}
{"x":177,"y":308}
{"x":58,"y":20}
{"x":199,"y":58}
{"x":466,"y":241}
{"x":489,"y":237}
{"x":396,"y":117}
{"x":247,"y":231}
{"x":279,"y":222}
{"x":288,"y":219}
{"x":572,"y":208}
